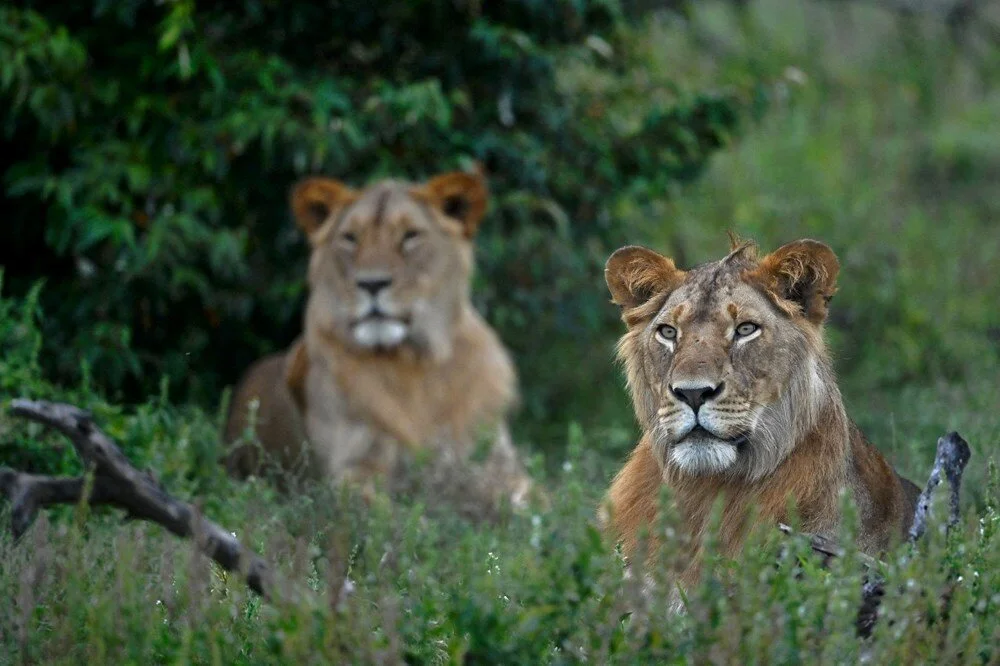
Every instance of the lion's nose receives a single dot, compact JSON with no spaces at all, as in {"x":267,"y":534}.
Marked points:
{"x":373,"y":285}
{"x":696,"y":396}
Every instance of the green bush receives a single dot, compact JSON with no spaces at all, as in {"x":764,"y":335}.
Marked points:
{"x":179,"y":443}
{"x":150,"y":148}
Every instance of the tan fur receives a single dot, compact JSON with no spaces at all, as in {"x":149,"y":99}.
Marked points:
{"x":276,"y":419}
{"x":775,"y":415}
{"x":409,"y":366}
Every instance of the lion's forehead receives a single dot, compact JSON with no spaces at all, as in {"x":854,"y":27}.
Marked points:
{"x":379,"y":222}
{"x":713,"y":294}
{"x":383,"y":208}
{"x":706,"y":308}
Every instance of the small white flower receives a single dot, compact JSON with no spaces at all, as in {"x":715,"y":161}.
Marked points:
{"x":796,"y":76}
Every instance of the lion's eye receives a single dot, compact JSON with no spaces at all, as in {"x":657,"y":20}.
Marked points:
{"x":666,"y":333}
{"x":348,"y":238}
{"x":410,"y":237}
{"x":746,"y":329}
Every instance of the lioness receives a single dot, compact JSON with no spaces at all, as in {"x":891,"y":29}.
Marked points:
{"x":394,"y":356}
{"x":734,"y":391}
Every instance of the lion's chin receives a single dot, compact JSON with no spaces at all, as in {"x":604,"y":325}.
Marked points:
{"x":701,"y":453}
{"x":380,"y":333}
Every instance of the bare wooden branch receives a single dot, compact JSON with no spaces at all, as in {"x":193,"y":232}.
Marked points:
{"x":117,"y":483}
{"x":872,"y":592}
{"x":952,"y":456}
{"x":820,"y":544}
{"x":827,"y":548}
{"x":28,"y":493}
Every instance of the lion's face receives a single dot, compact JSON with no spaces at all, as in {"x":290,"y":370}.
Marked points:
{"x":725,"y":361}
{"x":391,"y":265}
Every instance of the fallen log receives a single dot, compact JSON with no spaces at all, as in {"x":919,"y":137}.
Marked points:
{"x":117,"y":483}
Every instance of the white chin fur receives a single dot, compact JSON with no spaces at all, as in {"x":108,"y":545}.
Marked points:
{"x":379,"y":333}
{"x":703,"y":456}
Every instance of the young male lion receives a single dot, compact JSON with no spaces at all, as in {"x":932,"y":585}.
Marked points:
{"x":394,"y":357}
{"x":733,"y":388}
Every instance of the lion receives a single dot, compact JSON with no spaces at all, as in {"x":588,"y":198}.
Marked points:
{"x":738,"y":404}
{"x":394,"y":359}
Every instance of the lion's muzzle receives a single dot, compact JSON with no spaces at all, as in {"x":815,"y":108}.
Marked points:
{"x":377,"y":323}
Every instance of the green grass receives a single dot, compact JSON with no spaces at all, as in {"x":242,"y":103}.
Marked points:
{"x":434,"y":588}
{"x":884,"y":149}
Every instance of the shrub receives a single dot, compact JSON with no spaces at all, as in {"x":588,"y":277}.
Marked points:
{"x":150,"y":148}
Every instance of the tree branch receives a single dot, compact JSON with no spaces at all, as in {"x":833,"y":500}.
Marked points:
{"x":117,"y":483}
{"x":952,"y":456}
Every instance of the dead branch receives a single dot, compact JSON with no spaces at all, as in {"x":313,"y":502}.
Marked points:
{"x":118,"y":484}
{"x":827,"y":548}
{"x":952,"y":456}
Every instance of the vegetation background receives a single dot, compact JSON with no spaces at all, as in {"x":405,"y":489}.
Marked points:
{"x":148,"y":256}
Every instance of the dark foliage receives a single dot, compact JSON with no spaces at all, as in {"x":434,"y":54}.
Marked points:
{"x":149,"y":147}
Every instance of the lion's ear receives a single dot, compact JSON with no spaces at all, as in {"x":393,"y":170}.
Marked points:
{"x":315,"y":199}
{"x":803,"y":272}
{"x":459,"y":195}
{"x":635,"y":274}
